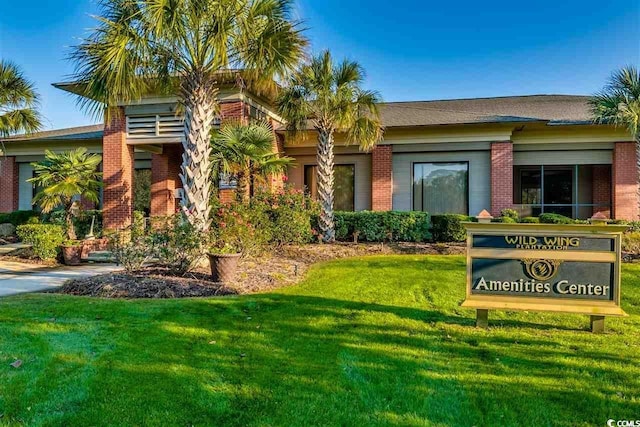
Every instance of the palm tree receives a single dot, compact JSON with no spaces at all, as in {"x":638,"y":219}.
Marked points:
{"x":329,"y":98}
{"x":188,"y":47}
{"x":619,"y":104}
{"x":64,"y":178}
{"x":246,"y":153}
{"x":18,"y":102}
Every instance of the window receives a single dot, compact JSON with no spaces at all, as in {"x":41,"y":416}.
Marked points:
{"x":441,"y":187}
{"x":576,"y":191}
{"x":343,"y":185}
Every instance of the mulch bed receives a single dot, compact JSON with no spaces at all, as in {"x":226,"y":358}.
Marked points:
{"x":284,"y":267}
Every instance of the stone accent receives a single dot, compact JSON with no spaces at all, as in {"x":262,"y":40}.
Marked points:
{"x":8,"y":184}
{"x":165,"y":179}
{"x":381,"y":178}
{"x":118,"y":164}
{"x":501,"y":177}
{"x":625,"y":181}
{"x":601,"y":189}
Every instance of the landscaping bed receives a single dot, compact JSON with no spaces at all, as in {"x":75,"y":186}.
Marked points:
{"x":283,"y":267}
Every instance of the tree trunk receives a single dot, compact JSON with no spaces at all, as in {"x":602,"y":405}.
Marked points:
{"x":325,"y":185}
{"x":199,"y":95}
{"x":638,"y":173}
{"x":71,"y":229}
{"x":241,"y":187}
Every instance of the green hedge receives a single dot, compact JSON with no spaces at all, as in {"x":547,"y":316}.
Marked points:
{"x":45,"y":238}
{"x":530,"y":220}
{"x":82,"y":222}
{"x":382,"y":226}
{"x":449,"y":228}
{"x":551,"y":218}
{"x":18,"y":217}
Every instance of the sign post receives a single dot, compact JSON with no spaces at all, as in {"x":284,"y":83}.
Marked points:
{"x":544,"y":267}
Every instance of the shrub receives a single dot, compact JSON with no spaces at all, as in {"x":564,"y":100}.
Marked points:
{"x":81,"y":222}
{"x":178,"y":245}
{"x":18,"y":217}
{"x":551,"y":218}
{"x":449,"y":228}
{"x":130,"y":250}
{"x":382,"y":226}
{"x":510,"y":213}
{"x":45,"y":238}
{"x":631,"y":242}
{"x":241,"y":228}
{"x":530,"y":220}
{"x":505,"y":220}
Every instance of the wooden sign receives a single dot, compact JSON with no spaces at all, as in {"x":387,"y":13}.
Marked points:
{"x":544,"y":267}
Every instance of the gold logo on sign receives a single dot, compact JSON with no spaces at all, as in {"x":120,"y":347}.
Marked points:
{"x":541,"y":269}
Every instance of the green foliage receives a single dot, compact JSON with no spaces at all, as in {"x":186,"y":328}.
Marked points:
{"x":631,"y":242}
{"x":383,"y":226}
{"x":142,"y":190}
{"x":17,"y":217}
{"x":449,"y":228}
{"x":510,"y":213}
{"x":81,"y":221}
{"x":505,"y":220}
{"x":530,"y":220}
{"x":177,"y":243}
{"x":240,"y":228}
{"x":45,"y":238}
{"x":618,"y":103}
{"x":551,"y":218}
{"x":18,"y":102}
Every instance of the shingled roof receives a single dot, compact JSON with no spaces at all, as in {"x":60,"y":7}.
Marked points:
{"x":67,"y":134}
{"x":554,"y":109}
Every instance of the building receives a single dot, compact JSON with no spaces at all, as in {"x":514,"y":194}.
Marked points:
{"x":538,"y":153}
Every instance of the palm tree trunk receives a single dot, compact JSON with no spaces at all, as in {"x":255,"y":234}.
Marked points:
{"x":241,"y":186}
{"x":71,"y":229}
{"x":200,"y":99}
{"x":638,"y":173}
{"x":325,"y":185}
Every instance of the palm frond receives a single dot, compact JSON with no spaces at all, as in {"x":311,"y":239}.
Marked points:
{"x":18,"y":102}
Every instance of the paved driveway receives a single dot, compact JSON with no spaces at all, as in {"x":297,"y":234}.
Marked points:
{"x":18,"y":278}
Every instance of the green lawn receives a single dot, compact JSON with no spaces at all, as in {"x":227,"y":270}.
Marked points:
{"x":370,"y":341}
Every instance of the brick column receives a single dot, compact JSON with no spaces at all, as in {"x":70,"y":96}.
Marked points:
{"x":501,"y":177}
{"x":601,"y":189}
{"x":381,"y":178}
{"x":118,"y":164}
{"x":625,"y":181}
{"x":165,"y":179}
{"x":8,"y":184}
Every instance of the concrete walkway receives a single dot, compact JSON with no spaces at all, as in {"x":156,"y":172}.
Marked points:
{"x":18,"y":278}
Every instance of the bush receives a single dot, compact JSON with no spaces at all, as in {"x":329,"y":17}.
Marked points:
{"x":129,"y":249}
{"x":510,"y":213}
{"x":505,"y":220}
{"x":81,"y":222}
{"x":239,"y":228}
{"x":551,"y":218}
{"x":45,"y":238}
{"x":449,"y":228}
{"x":530,"y":220}
{"x":178,"y":245}
{"x":631,"y":242}
{"x":18,"y":217}
{"x":382,"y":226}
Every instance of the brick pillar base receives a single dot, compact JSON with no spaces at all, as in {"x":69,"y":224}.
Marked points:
{"x":381,"y":178}
{"x":165,"y":179}
{"x":118,"y":164}
{"x":601,"y":189}
{"x":8,"y":184}
{"x":625,"y":181}
{"x":501,"y":177}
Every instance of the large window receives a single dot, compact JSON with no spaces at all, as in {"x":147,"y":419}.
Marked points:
{"x":441,"y":187}
{"x":343,"y":185}
{"x":576,"y":191}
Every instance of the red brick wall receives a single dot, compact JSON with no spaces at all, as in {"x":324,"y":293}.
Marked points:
{"x":8,"y":184}
{"x":118,"y":164}
{"x":501,"y":177}
{"x":381,"y":178}
{"x":625,"y":181}
{"x":227,"y":196}
{"x":234,"y":110}
{"x":165,"y":179}
{"x":601,"y":189}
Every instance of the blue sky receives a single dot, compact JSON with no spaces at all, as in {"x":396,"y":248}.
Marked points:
{"x":412,"y":50}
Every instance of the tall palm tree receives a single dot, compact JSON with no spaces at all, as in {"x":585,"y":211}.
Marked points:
{"x":188,"y":47}
{"x":18,"y":102}
{"x":65,"y":177}
{"x":329,"y":98}
{"x":619,"y":104}
{"x":246,"y":153}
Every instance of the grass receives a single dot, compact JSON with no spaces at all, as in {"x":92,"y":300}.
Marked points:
{"x":370,"y":341}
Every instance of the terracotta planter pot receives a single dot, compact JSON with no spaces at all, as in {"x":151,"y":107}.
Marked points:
{"x":72,"y":255}
{"x":223,"y":267}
